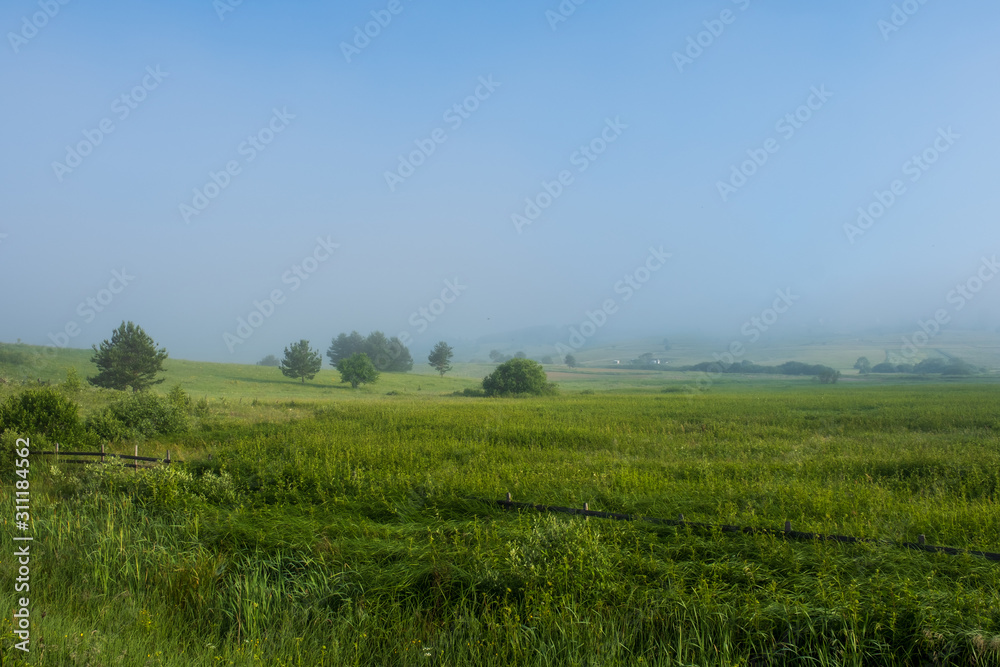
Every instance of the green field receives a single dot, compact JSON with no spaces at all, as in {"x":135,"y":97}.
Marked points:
{"x":316,"y":525}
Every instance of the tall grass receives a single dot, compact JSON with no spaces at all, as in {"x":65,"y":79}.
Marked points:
{"x":348,"y":537}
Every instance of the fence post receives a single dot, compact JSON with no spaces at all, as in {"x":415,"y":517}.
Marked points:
{"x":168,"y":456}
{"x":788,"y":527}
{"x":508,"y":496}
{"x":57,"y":453}
{"x":922,"y":539}
{"x":136,"y":461}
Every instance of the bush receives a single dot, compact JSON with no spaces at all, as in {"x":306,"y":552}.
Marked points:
{"x":72,"y":385}
{"x":8,"y":449}
{"x":269,"y":360}
{"x":41,"y":412}
{"x":138,"y":415}
{"x":201,"y":407}
{"x":179,"y":398}
{"x":517,"y":376}
{"x":470,"y":391}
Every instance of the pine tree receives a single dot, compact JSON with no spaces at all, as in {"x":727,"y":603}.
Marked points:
{"x":129,"y":359}
{"x":301,"y":362}
{"x":440,"y":358}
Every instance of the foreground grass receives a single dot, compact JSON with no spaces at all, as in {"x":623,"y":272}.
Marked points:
{"x":347,"y":536}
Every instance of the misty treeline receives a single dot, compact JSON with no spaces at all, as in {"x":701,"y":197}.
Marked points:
{"x":498,"y":357}
{"x":934,"y":366}
{"x":389,"y":355}
{"x":824,"y":373}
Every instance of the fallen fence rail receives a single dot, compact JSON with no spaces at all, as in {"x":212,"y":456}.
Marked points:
{"x":787,"y":532}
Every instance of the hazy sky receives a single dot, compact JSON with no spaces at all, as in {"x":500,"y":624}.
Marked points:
{"x":182,"y":161}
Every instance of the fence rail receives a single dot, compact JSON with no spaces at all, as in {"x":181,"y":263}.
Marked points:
{"x":787,"y":532}
{"x":102,"y":455}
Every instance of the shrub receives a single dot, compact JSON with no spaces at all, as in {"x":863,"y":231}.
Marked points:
{"x":201,"y":407}
{"x":8,"y":448}
{"x":179,"y":398}
{"x":72,"y":385}
{"x":269,"y":360}
{"x":41,"y":412}
{"x":517,"y":376}
{"x":470,"y":391}
{"x":138,"y":415}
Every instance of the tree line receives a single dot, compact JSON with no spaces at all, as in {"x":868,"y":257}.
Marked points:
{"x":131,"y":359}
{"x":932,"y":366}
{"x":360,"y":360}
{"x":825,"y":374}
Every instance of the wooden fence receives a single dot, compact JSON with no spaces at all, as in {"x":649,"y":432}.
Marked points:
{"x":102,"y":457}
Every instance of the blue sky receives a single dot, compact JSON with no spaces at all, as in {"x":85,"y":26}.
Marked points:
{"x":224,"y":79}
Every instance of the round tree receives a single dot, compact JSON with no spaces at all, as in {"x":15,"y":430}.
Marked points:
{"x":517,"y":376}
{"x":357,"y":369}
{"x":301,"y":362}
{"x":129,"y":359}
{"x":440,"y":358}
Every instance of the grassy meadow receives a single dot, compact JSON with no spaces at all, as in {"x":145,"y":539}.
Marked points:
{"x":315,"y":525}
